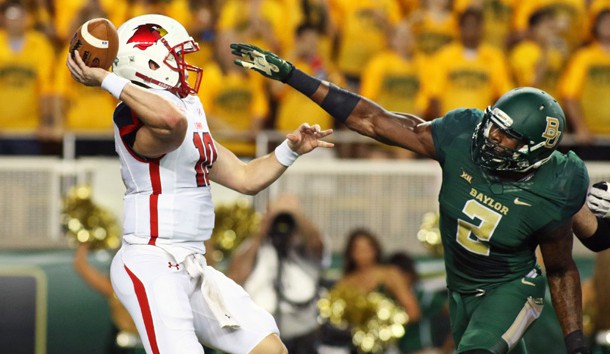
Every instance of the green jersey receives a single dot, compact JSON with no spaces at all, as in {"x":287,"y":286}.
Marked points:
{"x":489,"y":226}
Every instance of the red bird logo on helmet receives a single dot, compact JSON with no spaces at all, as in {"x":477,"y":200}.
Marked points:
{"x":147,"y":35}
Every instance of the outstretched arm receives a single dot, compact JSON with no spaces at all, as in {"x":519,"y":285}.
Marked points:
{"x":358,"y":113}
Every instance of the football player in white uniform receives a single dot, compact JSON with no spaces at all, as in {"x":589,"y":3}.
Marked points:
{"x":168,"y":158}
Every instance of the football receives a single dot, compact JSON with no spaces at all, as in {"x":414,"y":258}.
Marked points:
{"x":97,"y":42}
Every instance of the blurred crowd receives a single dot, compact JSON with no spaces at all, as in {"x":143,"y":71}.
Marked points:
{"x":417,"y":56}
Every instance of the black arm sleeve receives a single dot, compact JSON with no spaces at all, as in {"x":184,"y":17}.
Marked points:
{"x":339,"y":103}
{"x":600,"y":240}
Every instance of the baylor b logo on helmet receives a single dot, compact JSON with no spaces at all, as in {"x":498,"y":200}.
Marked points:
{"x":551,"y":132}
{"x":528,"y":114}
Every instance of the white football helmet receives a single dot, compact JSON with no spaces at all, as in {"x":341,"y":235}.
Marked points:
{"x":151,"y":52}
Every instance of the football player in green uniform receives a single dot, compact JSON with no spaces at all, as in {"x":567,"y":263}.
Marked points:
{"x":505,"y":191}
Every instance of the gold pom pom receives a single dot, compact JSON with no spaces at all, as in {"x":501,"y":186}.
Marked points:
{"x":233,"y":224}
{"x":85,"y":222}
{"x":430,"y":235}
{"x":376,"y":322}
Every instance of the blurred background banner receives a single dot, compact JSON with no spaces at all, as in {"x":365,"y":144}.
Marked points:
{"x":389,"y":196}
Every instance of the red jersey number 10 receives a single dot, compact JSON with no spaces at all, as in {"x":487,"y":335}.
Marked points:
{"x":207,"y":155}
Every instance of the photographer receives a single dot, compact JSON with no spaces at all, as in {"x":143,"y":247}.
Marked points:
{"x":280,"y":268}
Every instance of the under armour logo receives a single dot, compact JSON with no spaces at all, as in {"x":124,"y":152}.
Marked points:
{"x":174,"y":265}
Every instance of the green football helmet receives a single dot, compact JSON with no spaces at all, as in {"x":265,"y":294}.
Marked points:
{"x":527,"y":114}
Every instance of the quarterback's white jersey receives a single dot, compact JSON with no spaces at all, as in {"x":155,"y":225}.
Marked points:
{"x":168,"y":199}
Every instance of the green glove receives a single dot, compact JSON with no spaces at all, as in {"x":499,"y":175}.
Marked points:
{"x":266,"y":63}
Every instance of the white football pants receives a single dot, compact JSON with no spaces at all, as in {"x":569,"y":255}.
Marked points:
{"x":169,"y":309}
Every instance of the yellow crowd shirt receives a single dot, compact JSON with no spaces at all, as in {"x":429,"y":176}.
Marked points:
{"x":176,"y":9}
{"x":595,"y":8}
{"x":232,"y":101}
{"x":587,"y":80}
{"x":64,"y":19}
{"x":432,"y":33}
{"x":470,"y":79}
{"x":570,"y":17}
{"x":25,"y":76}
{"x":362,"y":24}
{"x":86,"y":108}
{"x":396,"y":83}
{"x":407,"y":7}
{"x":293,"y":16}
{"x":235,"y":16}
{"x":498,"y":16}
{"x":524,"y":60}
{"x":116,"y":11}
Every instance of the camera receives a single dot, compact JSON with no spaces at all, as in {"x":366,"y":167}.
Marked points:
{"x":280,"y":232}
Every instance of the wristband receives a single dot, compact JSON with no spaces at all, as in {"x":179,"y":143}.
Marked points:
{"x":575,"y":342}
{"x":285,"y":155}
{"x":302,"y":82}
{"x":114,"y":84}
